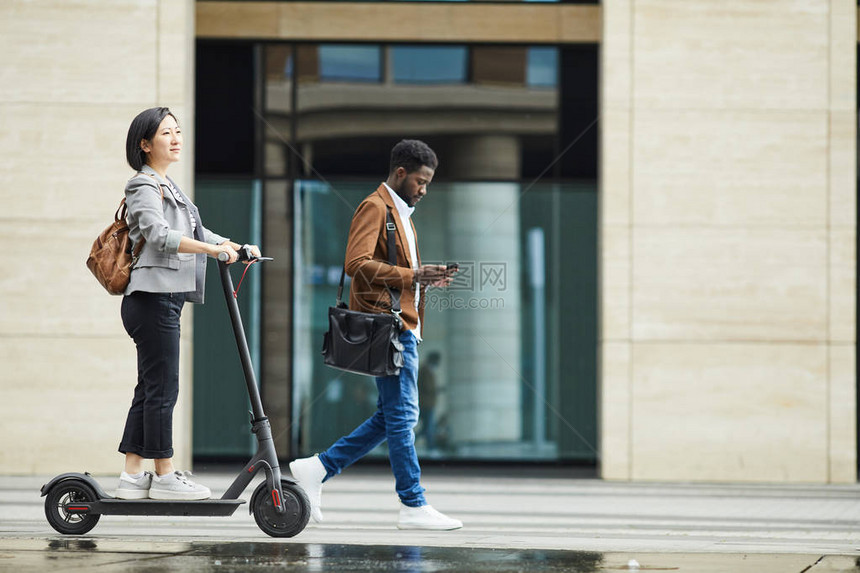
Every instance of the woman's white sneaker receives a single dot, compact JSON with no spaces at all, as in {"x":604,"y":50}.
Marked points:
{"x":177,"y":486}
{"x":425,"y":517}
{"x":131,"y":487}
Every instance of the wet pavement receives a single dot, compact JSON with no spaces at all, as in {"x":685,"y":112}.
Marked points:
{"x":87,"y":554}
{"x":114,"y":556}
{"x":512,"y":523}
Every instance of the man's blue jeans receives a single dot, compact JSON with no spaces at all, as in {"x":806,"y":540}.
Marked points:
{"x":395,"y":419}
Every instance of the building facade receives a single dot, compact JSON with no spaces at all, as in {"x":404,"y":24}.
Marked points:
{"x":653,"y":204}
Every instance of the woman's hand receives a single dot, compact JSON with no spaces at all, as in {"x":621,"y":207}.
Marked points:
{"x":189,"y":245}
{"x":255,"y":250}
{"x":225,"y":247}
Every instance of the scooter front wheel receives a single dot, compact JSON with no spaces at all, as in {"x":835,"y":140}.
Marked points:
{"x":297,"y":510}
{"x":65,"y":494}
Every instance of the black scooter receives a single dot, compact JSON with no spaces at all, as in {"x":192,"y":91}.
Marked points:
{"x":75,"y":501}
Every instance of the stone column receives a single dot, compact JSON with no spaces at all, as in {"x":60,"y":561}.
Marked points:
{"x":484,"y":322}
{"x":75,"y":75}
{"x":728,"y":205}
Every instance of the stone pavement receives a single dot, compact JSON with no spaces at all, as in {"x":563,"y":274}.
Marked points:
{"x":512,"y":523}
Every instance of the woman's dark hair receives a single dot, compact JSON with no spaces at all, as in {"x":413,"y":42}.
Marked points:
{"x":412,"y":154}
{"x":143,"y":126}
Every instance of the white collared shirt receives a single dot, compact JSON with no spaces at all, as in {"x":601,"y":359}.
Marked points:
{"x":405,"y":212}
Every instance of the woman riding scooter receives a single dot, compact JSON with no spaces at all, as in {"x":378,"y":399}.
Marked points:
{"x":170,"y":271}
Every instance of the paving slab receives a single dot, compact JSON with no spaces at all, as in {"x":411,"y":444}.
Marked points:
{"x":516,"y":523}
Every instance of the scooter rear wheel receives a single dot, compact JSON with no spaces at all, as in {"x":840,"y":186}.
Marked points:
{"x":297,"y":510}
{"x":63,"y":494}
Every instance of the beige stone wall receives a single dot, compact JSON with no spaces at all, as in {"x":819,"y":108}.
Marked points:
{"x":72,"y":76}
{"x":728,"y":230}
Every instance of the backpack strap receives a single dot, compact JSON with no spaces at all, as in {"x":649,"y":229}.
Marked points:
{"x":157,"y":184}
{"x":122,"y":212}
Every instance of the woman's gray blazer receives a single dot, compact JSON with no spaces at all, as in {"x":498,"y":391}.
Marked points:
{"x":161,"y":268}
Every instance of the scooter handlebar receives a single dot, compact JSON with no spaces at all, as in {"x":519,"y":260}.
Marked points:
{"x":244,"y":255}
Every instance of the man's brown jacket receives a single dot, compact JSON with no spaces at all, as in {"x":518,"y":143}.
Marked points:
{"x":367,"y":261}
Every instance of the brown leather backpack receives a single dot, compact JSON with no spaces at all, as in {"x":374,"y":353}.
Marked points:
{"x":111,"y":258}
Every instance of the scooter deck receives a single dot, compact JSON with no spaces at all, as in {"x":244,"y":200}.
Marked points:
{"x":105,"y":504}
{"x":114,"y":506}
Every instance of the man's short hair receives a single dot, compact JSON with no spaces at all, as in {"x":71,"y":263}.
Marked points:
{"x":412,"y":155}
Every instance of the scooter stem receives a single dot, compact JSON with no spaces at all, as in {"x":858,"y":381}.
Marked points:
{"x":241,"y":341}
{"x":266,"y":458}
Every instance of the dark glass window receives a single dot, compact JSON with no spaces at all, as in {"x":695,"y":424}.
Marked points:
{"x":542,"y":67}
{"x":338,"y":62}
{"x":514,"y":127}
{"x":429,"y":64}
{"x":225,"y":103}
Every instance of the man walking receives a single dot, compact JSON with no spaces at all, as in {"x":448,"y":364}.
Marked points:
{"x":412,"y":167}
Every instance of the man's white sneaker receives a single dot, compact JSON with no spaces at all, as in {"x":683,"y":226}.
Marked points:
{"x":131,"y":487}
{"x":309,"y":473}
{"x":177,"y":486}
{"x":425,"y":517}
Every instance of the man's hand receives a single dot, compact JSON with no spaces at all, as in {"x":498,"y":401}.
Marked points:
{"x":433,"y":275}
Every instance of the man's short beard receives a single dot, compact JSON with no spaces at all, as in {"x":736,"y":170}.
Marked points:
{"x":399,"y":191}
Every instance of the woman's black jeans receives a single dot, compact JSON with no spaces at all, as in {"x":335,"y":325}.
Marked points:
{"x":152,"y":320}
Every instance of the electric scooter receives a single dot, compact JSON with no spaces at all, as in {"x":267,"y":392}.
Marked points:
{"x":74,"y":502}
